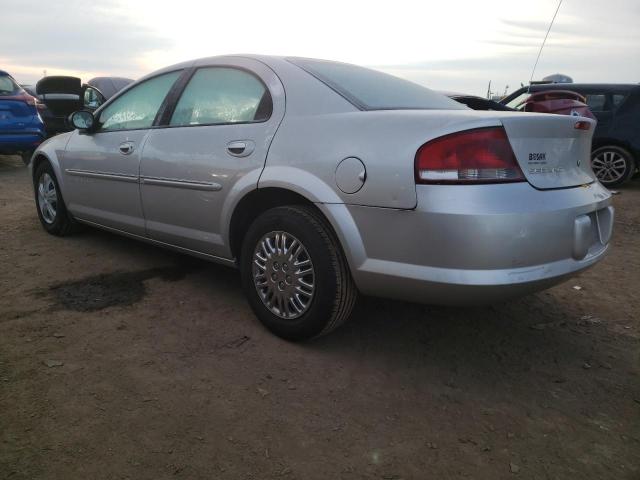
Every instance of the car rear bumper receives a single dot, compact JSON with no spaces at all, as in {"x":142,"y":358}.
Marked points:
{"x":464,"y":287}
{"x":13,"y":142}
{"x":481,"y":244}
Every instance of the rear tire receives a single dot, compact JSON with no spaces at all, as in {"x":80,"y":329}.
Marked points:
{"x":52,"y":211}
{"x":294,"y":273}
{"x":612,"y":165}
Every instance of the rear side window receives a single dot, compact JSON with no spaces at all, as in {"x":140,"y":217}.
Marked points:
{"x":220,"y":95}
{"x":596,"y":101}
{"x":137,"y":108}
{"x":8,"y":86}
{"x":372,"y":90}
{"x":617,"y":99}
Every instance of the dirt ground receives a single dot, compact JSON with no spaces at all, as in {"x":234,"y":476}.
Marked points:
{"x":119,"y":360}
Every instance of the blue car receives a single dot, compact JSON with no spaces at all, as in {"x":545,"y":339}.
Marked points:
{"x":21,"y":128}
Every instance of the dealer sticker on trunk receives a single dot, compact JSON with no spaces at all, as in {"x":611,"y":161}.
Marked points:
{"x":538,"y":157}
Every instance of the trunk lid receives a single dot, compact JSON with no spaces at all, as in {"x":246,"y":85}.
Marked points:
{"x":551,"y":151}
{"x":61,"y":95}
{"x":59,"y":84}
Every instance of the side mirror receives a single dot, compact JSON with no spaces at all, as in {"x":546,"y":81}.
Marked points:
{"x":82,"y":120}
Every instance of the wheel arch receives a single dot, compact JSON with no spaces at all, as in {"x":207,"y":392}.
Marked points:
{"x":38,"y":160}
{"x":49,"y":151}
{"x":252,"y":205}
{"x":39,"y":157}
{"x":260,"y":200}
{"x":614,"y":142}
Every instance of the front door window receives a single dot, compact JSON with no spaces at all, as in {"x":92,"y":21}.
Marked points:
{"x":138,"y":107}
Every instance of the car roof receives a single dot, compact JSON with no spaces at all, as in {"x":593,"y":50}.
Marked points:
{"x":203,"y":60}
{"x":303,"y":94}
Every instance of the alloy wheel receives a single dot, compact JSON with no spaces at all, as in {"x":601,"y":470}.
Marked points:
{"x":609,"y":166}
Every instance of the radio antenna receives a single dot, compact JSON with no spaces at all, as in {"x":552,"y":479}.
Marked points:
{"x":542,"y":46}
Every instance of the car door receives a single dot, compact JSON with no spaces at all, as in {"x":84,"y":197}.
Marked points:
{"x":218,"y":132}
{"x":101,"y":167}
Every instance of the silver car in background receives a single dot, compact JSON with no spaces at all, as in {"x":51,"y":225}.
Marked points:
{"x":321,"y":179}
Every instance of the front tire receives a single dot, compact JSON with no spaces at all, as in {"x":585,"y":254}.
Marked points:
{"x":294,"y":273}
{"x":612,"y":165}
{"x":52,"y":211}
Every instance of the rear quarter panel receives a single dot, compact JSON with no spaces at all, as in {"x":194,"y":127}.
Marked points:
{"x":308,"y":148}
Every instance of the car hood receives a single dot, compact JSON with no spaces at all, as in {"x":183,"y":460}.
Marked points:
{"x":59,"y":84}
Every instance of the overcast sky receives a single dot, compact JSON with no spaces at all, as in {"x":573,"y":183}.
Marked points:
{"x":450,"y":45}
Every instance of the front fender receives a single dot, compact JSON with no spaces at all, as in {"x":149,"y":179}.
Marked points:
{"x":53,"y":151}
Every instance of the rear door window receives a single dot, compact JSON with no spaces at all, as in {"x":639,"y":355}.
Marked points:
{"x":222,"y":95}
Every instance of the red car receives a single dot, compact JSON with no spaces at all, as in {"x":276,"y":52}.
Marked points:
{"x":561,"y":102}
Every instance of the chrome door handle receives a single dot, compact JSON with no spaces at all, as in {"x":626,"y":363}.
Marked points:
{"x":126,"y":148}
{"x":241,"y":148}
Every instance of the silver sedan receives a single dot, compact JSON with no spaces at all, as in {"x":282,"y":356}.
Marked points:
{"x":319,"y":180}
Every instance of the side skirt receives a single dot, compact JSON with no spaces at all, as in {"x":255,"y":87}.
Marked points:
{"x":205,"y":256}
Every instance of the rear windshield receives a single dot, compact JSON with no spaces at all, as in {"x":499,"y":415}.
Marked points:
{"x":372,"y":90}
{"x":8,"y":86}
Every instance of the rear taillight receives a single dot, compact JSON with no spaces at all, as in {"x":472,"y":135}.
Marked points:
{"x":483,"y":155}
{"x":33,"y":101}
{"x":28,"y":99}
